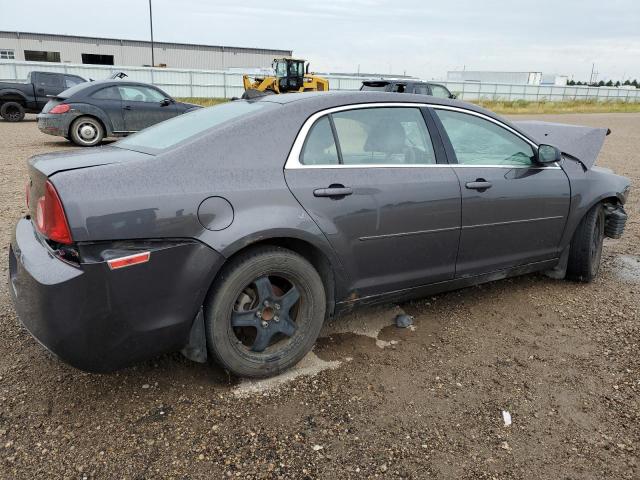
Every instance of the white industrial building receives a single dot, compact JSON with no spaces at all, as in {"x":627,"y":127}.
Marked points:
{"x":513,"y":78}
{"x":42,"y":47}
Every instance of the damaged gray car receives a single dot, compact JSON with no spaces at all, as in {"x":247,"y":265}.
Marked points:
{"x":234,"y":232}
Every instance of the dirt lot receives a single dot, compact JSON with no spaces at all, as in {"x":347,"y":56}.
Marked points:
{"x":372,"y":400}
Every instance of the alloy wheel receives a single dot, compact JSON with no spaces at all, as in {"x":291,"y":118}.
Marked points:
{"x":265,"y":313}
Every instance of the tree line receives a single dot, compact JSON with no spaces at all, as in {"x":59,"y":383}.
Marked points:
{"x":602,"y":83}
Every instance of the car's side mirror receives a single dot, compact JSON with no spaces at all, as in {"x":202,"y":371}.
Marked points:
{"x":453,"y":96}
{"x":165,"y":102}
{"x":548,"y":154}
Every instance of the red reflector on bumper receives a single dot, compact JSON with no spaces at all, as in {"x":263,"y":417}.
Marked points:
{"x":129,"y":260}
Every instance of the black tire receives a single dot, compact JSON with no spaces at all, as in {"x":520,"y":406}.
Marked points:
{"x":586,"y":246}
{"x":86,"y":131}
{"x":240,"y":312}
{"x":12,"y":112}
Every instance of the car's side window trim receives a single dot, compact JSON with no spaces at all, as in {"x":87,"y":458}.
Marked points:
{"x":451,"y":154}
{"x":293,"y":160}
{"x":434,"y":135}
{"x":336,"y":139}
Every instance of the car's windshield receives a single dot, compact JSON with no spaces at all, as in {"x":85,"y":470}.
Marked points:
{"x":178,"y":129}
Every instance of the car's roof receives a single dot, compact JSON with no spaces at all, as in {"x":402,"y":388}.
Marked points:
{"x":312,"y":102}
{"x":82,"y":87}
{"x":387,"y":81}
{"x":322,"y":100}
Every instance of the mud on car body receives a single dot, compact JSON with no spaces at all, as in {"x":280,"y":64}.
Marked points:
{"x":233,"y":232}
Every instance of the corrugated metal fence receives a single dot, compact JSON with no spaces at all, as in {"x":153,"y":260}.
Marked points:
{"x":224,"y":84}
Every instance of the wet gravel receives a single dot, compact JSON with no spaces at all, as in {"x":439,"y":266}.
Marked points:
{"x":373,"y":401}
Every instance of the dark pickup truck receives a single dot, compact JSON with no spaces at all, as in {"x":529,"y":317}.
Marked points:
{"x":16,"y":99}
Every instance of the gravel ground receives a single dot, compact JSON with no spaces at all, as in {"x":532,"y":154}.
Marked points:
{"x":372,"y":401}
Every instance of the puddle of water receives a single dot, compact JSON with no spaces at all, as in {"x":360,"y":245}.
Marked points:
{"x":310,"y":365}
{"x":368,"y":321}
{"x":628,"y":268}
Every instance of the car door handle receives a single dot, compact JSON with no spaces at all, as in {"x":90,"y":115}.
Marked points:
{"x":479,"y":184}
{"x":127,"y":107}
{"x":333,"y":191}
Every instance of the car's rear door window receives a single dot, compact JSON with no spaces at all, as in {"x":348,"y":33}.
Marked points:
{"x":109,"y":93}
{"x":136,"y":93}
{"x":477,"y":141}
{"x":320,"y":146}
{"x":49,"y":80}
{"x":386,"y":135}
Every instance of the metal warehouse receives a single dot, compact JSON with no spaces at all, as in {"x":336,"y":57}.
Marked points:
{"x":40,"y":47}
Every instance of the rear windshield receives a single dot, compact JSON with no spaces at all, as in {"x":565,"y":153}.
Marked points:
{"x":380,"y":87}
{"x":183,"y":127}
{"x":69,"y":92}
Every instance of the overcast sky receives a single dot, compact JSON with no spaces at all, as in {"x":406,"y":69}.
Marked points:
{"x":423,"y":38}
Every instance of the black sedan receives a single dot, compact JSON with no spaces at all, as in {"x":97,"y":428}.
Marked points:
{"x":235,"y":231}
{"x":89,"y":112}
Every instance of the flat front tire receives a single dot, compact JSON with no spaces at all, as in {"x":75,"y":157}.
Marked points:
{"x":86,"y":132}
{"x":586,"y":246}
{"x":264,"y":312}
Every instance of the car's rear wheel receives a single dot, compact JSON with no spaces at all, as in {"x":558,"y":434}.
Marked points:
{"x":265,"y":312}
{"x":86,"y":132}
{"x":586,"y":246}
{"x":12,"y":112}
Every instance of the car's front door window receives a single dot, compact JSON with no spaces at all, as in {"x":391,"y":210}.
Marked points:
{"x":390,"y":135}
{"x":477,"y":141}
{"x":440,"y":91}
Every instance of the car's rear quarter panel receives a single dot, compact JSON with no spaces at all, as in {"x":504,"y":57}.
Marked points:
{"x":157,"y":197}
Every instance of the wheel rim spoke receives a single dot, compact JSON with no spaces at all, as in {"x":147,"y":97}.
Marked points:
{"x":263,"y":338}
{"x":265,"y":291}
{"x":286,"y":326}
{"x":245,"y":319}
{"x":270,"y":318}
{"x":289,"y":299}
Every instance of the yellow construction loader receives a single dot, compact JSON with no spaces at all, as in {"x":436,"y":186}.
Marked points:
{"x":290,"y":76}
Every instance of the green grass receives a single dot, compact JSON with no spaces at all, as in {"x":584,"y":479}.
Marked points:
{"x":205,"y":102}
{"x":510,"y":107}
{"x":577,"y":106}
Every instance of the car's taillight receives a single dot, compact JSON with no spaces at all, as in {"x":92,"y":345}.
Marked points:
{"x":50,"y":217}
{"x":60,"y":108}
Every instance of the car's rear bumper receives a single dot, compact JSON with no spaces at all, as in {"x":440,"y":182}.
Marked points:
{"x":98,"y":319}
{"x":55,"y":124}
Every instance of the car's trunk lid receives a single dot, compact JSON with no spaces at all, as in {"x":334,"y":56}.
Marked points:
{"x":582,"y":143}
{"x":42,"y":167}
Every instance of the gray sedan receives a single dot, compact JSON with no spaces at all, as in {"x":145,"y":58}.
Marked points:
{"x":234,"y":232}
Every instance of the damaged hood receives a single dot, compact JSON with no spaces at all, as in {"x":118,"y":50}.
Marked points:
{"x":582,"y":143}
